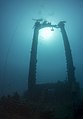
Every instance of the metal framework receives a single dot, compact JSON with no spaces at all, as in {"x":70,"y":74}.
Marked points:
{"x":33,"y":57}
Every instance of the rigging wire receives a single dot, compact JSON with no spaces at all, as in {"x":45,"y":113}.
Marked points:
{"x":9,"y":48}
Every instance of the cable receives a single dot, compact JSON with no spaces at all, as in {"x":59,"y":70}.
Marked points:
{"x":9,"y":48}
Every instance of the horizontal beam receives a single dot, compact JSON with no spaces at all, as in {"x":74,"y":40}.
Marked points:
{"x":48,"y":25}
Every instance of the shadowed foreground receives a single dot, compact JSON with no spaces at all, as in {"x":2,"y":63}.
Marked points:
{"x":45,"y":104}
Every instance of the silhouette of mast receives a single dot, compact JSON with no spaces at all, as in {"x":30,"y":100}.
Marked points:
{"x":33,"y":59}
{"x":68,"y":54}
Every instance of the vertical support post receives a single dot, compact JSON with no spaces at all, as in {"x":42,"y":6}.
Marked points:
{"x":33,"y":60}
{"x":68,"y":54}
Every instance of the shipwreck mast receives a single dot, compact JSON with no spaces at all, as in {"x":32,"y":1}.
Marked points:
{"x":33,"y":57}
{"x":68,"y":54}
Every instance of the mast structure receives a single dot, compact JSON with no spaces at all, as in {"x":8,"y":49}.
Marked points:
{"x":69,"y":60}
{"x":33,"y":57}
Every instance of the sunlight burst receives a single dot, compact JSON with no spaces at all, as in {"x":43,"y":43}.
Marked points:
{"x":46,"y":33}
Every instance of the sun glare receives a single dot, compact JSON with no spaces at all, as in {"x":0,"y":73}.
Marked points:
{"x":46,"y":33}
